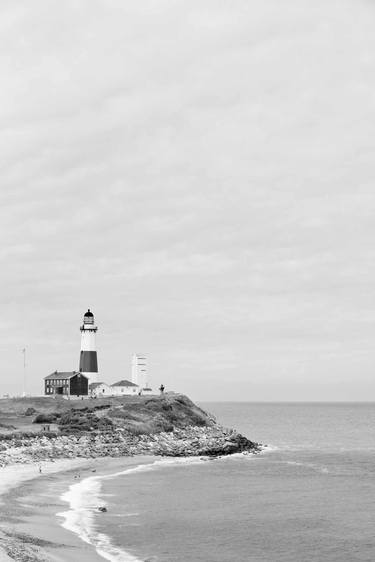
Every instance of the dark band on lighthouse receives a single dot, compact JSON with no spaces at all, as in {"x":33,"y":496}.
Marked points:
{"x":88,"y":362}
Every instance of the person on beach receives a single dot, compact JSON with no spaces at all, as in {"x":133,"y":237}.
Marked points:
{"x":40,"y":469}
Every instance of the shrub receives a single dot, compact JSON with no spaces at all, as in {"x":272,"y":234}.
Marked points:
{"x":76,"y":421}
{"x":45,"y":418}
{"x":30,"y":411}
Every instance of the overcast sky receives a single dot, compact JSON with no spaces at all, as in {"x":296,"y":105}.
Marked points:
{"x":201,"y":175}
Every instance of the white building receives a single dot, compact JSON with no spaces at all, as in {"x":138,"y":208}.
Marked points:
{"x":139,"y":373}
{"x":98,"y":389}
{"x":124,"y":387}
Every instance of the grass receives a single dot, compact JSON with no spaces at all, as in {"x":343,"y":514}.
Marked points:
{"x":135,"y":414}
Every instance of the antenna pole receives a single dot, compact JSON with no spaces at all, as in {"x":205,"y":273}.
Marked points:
{"x":24,"y":372}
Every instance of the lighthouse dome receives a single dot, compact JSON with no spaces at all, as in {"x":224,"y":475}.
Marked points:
{"x":88,"y":317}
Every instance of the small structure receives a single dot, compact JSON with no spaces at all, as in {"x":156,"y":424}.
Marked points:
{"x":140,"y":374}
{"x":49,"y":428}
{"x":98,"y":389}
{"x":66,"y":384}
{"x":124,"y":387}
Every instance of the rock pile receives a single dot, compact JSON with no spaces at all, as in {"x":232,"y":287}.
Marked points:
{"x":191,"y":441}
{"x":168,"y":425}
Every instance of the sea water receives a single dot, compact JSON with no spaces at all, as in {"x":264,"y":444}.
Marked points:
{"x":308,"y":497}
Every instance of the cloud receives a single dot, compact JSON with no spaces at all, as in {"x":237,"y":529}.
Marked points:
{"x":201,"y":177}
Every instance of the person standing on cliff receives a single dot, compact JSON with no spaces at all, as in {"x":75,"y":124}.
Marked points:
{"x":162,"y":387}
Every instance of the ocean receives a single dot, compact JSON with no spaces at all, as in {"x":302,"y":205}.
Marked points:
{"x":310,"y":496}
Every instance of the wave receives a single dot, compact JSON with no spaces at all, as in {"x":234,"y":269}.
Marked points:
{"x":84,"y":498}
{"x":312,"y":466}
{"x":269,"y":448}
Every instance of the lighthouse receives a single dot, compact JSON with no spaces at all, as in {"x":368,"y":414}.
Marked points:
{"x":88,"y":362}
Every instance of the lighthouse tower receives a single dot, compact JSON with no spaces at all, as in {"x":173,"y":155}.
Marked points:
{"x":88,"y":362}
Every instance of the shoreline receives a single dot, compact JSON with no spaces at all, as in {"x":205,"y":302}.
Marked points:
{"x":14,"y":476}
{"x":39,"y":470}
{"x":34,"y":505}
{"x":192,"y":441}
{"x":30,"y":502}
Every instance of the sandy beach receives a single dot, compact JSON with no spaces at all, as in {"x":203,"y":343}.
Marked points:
{"x":30,"y":529}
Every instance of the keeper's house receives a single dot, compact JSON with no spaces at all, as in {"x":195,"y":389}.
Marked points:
{"x":124,"y":387}
{"x":66,"y":384}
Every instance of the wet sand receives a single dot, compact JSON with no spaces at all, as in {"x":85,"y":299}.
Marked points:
{"x":29,"y":526}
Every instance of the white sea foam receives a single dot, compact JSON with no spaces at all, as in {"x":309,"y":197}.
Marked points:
{"x":309,"y":465}
{"x":84,"y":498}
{"x":269,"y":448}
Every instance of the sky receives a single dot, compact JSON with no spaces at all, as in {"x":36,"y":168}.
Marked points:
{"x":201,"y":176}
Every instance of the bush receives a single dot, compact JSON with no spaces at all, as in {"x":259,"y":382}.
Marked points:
{"x":45,"y":418}
{"x":30,"y":411}
{"x":76,"y":421}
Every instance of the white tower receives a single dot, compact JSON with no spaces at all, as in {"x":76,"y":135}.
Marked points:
{"x":139,"y":372}
{"x":88,"y":362}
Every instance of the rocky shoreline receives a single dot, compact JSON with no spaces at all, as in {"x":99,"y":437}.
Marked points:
{"x":191,"y":441}
{"x":167,"y":425}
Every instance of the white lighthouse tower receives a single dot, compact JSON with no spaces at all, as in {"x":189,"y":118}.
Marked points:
{"x":88,"y":362}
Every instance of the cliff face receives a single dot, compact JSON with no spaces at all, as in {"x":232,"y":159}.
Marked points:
{"x":168,"y":425}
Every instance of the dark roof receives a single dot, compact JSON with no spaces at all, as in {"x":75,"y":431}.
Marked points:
{"x":89,"y":313}
{"x":95,"y":384}
{"x":124,"y":383}
{"x":63,"y":375}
